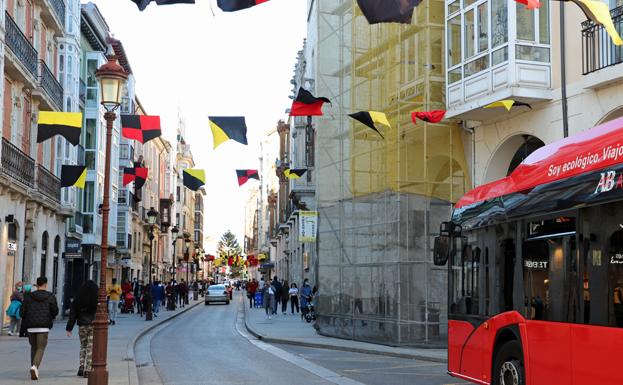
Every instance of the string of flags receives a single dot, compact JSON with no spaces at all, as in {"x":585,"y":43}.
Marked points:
{"x":141,"y":128}
{"x":371,"y":118}
{"x":294,"y":173}
{"x":194,"y":178}
{"x":307,"y":104}
{"x":508,"y":104}
{"x":244,"y":176}
{"x":73,"y":176}
{"x":138,"y":175}
{"x":226,"y":128}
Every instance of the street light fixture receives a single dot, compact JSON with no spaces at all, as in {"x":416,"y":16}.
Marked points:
{"x":152,"y":215}
{"x":174,"y":231}
{"x":112,"y":78}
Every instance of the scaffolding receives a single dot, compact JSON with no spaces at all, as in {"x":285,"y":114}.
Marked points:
{"x":381,"y":200}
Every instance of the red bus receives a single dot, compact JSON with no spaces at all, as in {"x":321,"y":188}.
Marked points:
{"x":535,"y":264}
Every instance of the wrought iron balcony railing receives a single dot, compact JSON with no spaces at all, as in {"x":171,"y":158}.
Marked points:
{"x":51,"y":86}
{"x":20,"y":45}
{"x":59,"y":9}
{"x":597,"y":47}
{"x":17,"y":165}
{"x":48,"y":184}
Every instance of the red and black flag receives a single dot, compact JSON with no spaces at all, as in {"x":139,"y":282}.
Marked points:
{"x":307,"y":104}
{"x":141,"y":128}
{"x":388,"y":11}
{"x":138,"y":175}
{"x":434,"y":116}
{"x":237,"y":5}
{"x":245,"y":175}
{"x":142,"y":4}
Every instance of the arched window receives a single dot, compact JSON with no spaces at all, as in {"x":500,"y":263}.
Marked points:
{"x":44,"y":252}
{"x":57,"y":248}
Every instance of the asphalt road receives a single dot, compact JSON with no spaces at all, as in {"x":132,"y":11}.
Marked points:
{"x":205,"y":348}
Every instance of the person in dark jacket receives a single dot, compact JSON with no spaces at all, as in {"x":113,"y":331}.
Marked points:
{"x":38,"y":312}
{"x":277,"y":287}
{"x":285,"y":295}
{"x":83,"y":312}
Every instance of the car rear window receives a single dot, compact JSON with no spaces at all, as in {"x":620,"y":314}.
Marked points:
{"x":217,"y":288}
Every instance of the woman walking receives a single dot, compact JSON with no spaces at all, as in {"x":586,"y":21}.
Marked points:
{"x":17,"y":298}
{"x":83,"y":312}
{"x":285,"y":295}
{"x":294,"y":298}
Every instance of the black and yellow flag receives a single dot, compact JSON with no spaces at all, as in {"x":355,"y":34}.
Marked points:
{"x":66,"y":124}
{"x":294,"y":173}
{"x":388,"y":11}
{"x":370,"y":118}
{"x":225,"y":128}
{"x":194,"y":178}
{"x":508,"y":104}
{"x":73,"y":176}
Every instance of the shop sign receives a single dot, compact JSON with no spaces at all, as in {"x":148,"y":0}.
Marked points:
{"x":616,"y":259}
{"x":308,"y":226}
{"x":72,"y":245}
{"x":536,"y":264}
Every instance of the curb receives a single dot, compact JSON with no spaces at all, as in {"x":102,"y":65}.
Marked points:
{"x":338,"y":348}
{"x":130,"y":347}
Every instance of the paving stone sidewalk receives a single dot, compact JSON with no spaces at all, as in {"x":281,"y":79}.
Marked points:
{"x":60,"y":361}
{"x":290,"y":329}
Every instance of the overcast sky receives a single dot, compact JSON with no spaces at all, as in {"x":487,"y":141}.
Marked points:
{"x":202,"y":62}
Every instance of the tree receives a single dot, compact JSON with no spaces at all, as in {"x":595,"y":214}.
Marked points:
{"x":228,"y":247}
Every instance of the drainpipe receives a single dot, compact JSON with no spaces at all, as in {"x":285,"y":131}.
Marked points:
{"x":472,"y":130}
{"x":563,"y":73}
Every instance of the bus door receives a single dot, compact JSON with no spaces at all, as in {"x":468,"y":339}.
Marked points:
{"x":597,"y":335}
{"x":549,"y":251}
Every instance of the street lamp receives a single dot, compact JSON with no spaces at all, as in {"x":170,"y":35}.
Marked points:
{"x":151,"y":220}
{"x":111,"y":77}
{"x":174,"y":231}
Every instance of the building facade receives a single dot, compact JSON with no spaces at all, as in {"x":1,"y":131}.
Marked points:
{"x":33,"y":208}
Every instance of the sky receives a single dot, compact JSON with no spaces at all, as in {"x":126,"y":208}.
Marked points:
{"x":195,"y":61}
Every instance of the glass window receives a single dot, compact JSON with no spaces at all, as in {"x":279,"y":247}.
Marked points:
{"x":454,"y":75}
{"x":470,"y":49}
{"x":89,"y":197}
{"x":454,"y":41}
{"x":544,"y":22}
{"x":499,"y":22}
{"x":483,"y":28}
{"x":525,"y":23}
{"x":476,"y":66}
{"x":499,"y":56}
{"x":524,"y":52}
{"x":454,"y":6}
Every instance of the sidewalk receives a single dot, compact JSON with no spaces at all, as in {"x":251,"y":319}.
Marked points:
{"x":290,"y":329}
{"x":60,"y":361}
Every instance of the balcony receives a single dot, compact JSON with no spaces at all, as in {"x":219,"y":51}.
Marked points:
{"x":49,"y":90}
{"x":599,"y":54}
{"x":495,"y":50}
{"x":48,"y":184}
{"x":75,"y":223}
{"x":53,"y":13}
{"x":17,"y":165}
{"x":126,"y":152}
{"x":124,"y":197}
{"x":22,"y":63}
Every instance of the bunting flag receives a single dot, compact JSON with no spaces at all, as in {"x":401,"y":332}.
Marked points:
{"x":294,"y":173}
{"x":225,"y":128}
{"x":508,"y":104}
{"x":141,"y":128}
{"x":388,"y":11}
{"x":218,"y":262}
{"x":230,"y":261}
{"x":530,"y":4}
{"x":237,"y":5}
{"x":599,"y":13}
{"x":245,"y":175}
{"x":66,"y":124}
{"x":370,"y":118}
{"x":138,"y":175}
{"x":142,"y":4}
{"x":73,"y":176}
{"x":434,"y":116}
{"x":307,"y":104}
{"x":194,"y":179}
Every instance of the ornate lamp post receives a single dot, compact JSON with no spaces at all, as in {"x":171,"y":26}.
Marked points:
{"x":112,"y":78}
{"x":174,"y":231}
{"x":152,"y":215}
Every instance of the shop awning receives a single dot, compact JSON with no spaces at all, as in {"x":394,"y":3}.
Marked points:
{"x":588,"y":151}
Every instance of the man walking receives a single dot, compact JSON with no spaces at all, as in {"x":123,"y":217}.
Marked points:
{"x":114,"y":294}
{"x":251,"y":290}
{"x":277,"y":299}
{"x":183,"y":292}
{"x":38,"y":313}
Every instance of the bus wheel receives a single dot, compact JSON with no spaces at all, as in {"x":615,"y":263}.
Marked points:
{"x":509,"y":368}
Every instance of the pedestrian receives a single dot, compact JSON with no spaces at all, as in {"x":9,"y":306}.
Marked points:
{"x":262,"y":284}
{"x":140,"y":300}
{"x":38,"y":312}
{"x":83,"y":312}
{"x":251,"y":290}
{"x":157,"y":297}
{"x":277,"y":289}
{"x":305,"y":295}
{"x":285,"y":295}
{"x":114,"y":294}
{"x":17,"y":298}
{"x":183,"y":293}
{"x":268,"y":299}
{"x":294,"y":297}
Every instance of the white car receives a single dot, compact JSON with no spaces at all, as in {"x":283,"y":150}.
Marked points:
{"x":217,"y":293}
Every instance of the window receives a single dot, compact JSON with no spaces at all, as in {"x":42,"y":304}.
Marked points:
{"x":44,"y":253}
{"x":91,"y":82}
{"x":469,"y":34}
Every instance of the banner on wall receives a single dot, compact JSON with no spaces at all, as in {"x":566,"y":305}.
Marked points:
{"x":308,"y":226}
